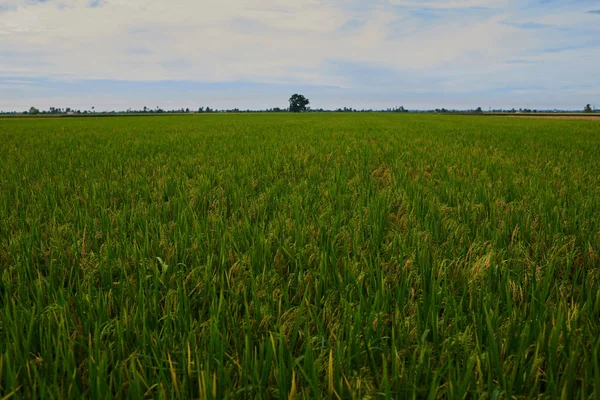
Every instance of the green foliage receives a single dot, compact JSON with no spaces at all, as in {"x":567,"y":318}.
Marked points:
{"x":587,"y":109}
{"x":298,"y":103}
{"x":273,"y":256}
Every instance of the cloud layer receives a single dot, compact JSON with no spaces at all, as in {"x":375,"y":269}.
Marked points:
{"x":453,"y":47}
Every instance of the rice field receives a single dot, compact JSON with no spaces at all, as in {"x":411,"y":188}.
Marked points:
{"x":342,"y":256}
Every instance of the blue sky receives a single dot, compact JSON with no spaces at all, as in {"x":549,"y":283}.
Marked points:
{"x":119,"y":54}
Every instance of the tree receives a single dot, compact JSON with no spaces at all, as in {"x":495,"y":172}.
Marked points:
{"x":478,"y":110}
{"x":34,"y":111}
{"x":587,"y":109}
{"x":298,"y":103}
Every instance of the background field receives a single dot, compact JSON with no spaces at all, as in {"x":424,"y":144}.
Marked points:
{"x":300,"y":256}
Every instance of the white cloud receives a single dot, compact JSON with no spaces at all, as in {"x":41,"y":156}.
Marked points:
{"x":226,"y":40}
{"x":285,"y":41}
{"x":202,"y":37}
{"x":450,"y":3}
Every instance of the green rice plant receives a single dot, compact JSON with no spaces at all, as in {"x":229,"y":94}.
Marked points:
{"x":299,"y":256}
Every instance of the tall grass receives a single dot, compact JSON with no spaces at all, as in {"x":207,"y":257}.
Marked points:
{"x":310,"y":256}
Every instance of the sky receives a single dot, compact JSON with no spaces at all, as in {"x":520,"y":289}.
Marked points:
{"x":456,"y":54}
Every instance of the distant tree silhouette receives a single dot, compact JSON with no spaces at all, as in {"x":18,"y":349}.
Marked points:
{"x":34,"y":111}
{"x":587,"y":109}
{"x":298,"y":103}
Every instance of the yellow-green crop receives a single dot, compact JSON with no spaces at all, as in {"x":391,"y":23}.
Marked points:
{"x":299,"y":256}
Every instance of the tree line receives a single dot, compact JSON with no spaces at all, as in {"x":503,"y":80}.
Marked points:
{"x":297,"y":103}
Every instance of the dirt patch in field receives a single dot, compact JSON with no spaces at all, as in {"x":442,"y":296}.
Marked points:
{"x":588,"y":117}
